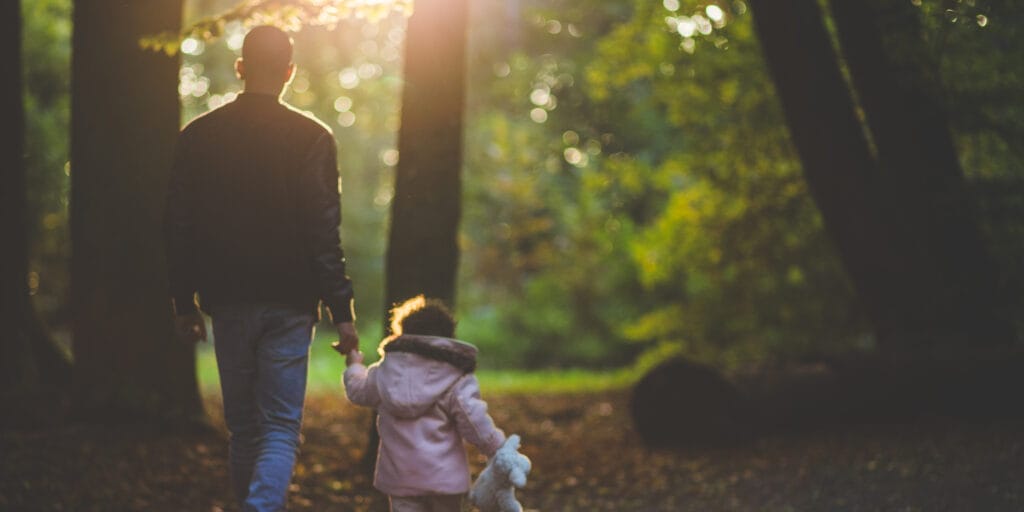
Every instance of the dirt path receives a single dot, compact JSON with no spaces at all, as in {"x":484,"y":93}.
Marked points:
{"x":586,"y":458}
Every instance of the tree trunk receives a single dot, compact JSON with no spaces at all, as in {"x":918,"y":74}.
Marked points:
{"x":837,"y":160}
{"x":33,"y":373}
{"x":952,"y":286}
{"x":422,"y":254}
{"x":18,"y":371}
{"x":125,"y":119}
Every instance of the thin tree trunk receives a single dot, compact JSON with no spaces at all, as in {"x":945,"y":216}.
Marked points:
{"x":125,"y":119}
{"x":33,"y":373}
{"x":838,"y":165}
{"x":953,"y":284}
{"x":18,"y":371}
{"x":422,"y":251}
{"x":423,"y":254}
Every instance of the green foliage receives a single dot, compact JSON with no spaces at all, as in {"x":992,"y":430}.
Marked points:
{"x":547,"y":278}
{"x":977,"y":50}
{"x":291,"y":15}
{"x":629,"y":184}
{"x":737,"y":253}
{"x":46,"y":68}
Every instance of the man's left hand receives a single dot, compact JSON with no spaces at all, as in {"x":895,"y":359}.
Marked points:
{"x":348,"y":339}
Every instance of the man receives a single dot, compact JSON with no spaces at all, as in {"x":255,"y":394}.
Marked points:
{"x":252,"y":225}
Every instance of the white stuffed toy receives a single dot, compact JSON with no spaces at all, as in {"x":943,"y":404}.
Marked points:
{"x":494,"y":490}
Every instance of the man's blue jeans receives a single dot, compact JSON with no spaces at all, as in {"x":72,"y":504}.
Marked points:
{"x":263,"y":356}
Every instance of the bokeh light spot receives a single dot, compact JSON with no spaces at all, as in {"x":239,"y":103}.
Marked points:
{"x":389,"y":157}
{"x":575,"y":157}
{"x":501,"y":69}
{"x":570,"y":138}
{"x":192,"y":46}
{"x":342,"y":104}
{"x":686,"y":26}
{"x":714,"y":12}
{"x":348,"y":78}
{"x":346,"y":119}
{"x":540,"y":96}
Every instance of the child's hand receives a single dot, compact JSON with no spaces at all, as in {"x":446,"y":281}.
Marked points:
{"x":354,"y":357}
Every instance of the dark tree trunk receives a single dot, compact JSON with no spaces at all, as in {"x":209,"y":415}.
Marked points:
{"x":902,"y":224}
{"x":422,"y":251}
{"x":837,"y":161}
{"x":125,"y":119}
{"x":18,"y":371}
{"x":953,"y":283}
{"x":33,"y":373}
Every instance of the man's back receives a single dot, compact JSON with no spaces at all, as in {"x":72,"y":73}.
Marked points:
{"x":259,"y":187}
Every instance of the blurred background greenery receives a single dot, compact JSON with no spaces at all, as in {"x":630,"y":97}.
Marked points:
{"x":630,"y":189}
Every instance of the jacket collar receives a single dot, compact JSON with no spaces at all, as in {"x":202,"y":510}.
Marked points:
{"x":259,"y":97}
{"x":459,"y":354}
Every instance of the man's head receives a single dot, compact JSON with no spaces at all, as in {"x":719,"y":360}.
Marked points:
{"x":418,"y":315}
{"x":266,"y":61}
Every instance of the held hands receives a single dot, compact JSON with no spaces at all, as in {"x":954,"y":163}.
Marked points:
{"x":190,"y":328}
{"x":348,"y":342}
{"x":348,"y":339}
{"x":354,"y":357}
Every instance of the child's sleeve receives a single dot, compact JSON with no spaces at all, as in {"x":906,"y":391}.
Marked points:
{"x":361,"y":385}
{"x":463,"y":403}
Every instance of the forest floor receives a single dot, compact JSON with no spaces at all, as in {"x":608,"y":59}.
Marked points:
{"x":586,"y":458}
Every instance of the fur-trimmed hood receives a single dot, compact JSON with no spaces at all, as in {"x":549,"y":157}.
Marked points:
{"x":429,"y":404}
{"x":415,"y":371}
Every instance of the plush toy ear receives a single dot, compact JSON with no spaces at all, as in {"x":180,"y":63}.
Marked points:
{"x":517,"y":477}
{"x":512,"y":443}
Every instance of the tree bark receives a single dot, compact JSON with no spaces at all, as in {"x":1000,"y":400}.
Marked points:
{"x":422,"y":255}
{"x":18,"y":371}
{"x":125,"y":119}
{"x":837,"y":160}
{"x":952,"y":288}
{"x":33,"y":373}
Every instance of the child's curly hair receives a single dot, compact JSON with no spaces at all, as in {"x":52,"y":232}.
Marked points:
{"x":419,"y":315}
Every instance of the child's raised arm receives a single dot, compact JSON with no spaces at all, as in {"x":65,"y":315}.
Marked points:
{"x":463,"y":403}
{"x":361,"y":383}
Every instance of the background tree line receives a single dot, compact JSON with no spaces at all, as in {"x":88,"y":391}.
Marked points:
{"x":726,"y":180}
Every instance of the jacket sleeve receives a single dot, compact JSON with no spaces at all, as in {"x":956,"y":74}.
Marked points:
{"x":179,"y":230}
{"x":464,"y":405}
{"x":361,"y":385}
{"x":321,"y":203}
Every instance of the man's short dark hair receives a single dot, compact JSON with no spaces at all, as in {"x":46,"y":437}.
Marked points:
{"x":266,"y":49}
{"x":419,"y":315}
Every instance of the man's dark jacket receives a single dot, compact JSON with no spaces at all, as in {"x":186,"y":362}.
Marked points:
{"x":253,"y":211}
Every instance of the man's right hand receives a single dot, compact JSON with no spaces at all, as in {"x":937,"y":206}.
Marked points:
{"x":190,"y":328}
{"x":348,"y":339}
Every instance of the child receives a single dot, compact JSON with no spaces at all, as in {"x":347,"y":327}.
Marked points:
{"x":428,"y":402}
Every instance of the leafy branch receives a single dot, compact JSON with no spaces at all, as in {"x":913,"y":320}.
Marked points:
{"x":289,"y":15}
